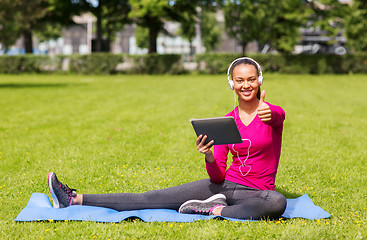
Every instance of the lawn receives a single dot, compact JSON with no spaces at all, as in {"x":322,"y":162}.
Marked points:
{"x":105,"y":134}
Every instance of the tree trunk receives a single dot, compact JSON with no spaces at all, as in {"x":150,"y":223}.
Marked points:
{"x":153,"y":34}
{"x":154,"y":26}
{"x":99,"y":29}
{"x":28,"y":42}
{"x":244,"y":44}
{"x":109,"y":36}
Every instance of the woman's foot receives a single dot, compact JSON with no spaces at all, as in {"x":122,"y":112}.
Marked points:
{"x":62,"y":195}
{"x":209,"y":206}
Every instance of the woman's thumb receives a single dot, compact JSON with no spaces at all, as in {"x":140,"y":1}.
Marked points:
{"x":262,"y":96}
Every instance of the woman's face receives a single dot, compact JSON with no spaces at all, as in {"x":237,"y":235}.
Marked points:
{"x":245,"y":80}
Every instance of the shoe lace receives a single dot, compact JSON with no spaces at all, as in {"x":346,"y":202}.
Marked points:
{"x":205,"y":210}
{"x":69,"y":191}
{"x":202,"y":211}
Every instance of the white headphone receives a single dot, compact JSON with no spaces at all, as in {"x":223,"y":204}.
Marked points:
{"x":230,"y":81}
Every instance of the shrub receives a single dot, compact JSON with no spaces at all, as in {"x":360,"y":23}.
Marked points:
{"x":209,"y":63}
{"x":23,"y":64}
{"x":214,"y":63}
{"x":96,"y":63}
{"x":156,"y":64}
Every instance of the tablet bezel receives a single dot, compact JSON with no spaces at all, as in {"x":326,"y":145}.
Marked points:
{"x":222,"y":129}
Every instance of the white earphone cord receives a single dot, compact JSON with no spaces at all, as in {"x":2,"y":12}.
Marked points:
{"x":235,"y":100}
{"x":243,"y":163}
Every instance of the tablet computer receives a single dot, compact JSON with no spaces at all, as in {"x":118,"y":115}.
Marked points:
{"x":223,"y":130}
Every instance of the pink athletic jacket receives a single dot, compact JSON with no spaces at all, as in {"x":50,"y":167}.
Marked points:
{"x":255,"y":160}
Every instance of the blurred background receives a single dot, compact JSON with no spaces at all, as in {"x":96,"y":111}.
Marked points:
{"x":65,"y":29}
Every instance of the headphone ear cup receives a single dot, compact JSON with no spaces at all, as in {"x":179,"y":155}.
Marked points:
{"x":231,"y":85}
{"x":260,"y":80}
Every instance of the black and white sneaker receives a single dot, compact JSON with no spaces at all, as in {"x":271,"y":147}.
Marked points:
{"x":62,"y":195}
{"x":203,"y":207}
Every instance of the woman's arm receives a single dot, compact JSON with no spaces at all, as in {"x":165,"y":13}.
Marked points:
{"x":216,"y":163}
{"x":217,"y":169}
{"x":270,"y":114}
{"x":277,"y":116}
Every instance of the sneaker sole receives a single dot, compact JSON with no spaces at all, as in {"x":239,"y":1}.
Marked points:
{"x":212,"y":198}
{"x":53,"y":195}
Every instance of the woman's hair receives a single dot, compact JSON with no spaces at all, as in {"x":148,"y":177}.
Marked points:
{"x":247,"y":61}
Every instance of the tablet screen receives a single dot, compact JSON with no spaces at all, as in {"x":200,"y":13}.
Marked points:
{"x":223,"y":130}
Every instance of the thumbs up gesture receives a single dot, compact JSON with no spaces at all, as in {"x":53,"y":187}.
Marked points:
{"x":263,"y":110}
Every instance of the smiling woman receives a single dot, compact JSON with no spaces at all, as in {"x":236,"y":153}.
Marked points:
{"x":244,"y":191}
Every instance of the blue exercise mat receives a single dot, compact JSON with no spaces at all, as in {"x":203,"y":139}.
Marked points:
{"x":39,"y":208}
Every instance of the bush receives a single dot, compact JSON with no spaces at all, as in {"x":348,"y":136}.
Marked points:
{"x":209,"y":63}
{"x":157,"y":64}
{"x":96,"y":63}
{"x":23,"y":64}
{"x":214,"y":63}
{"x":356,"y":63}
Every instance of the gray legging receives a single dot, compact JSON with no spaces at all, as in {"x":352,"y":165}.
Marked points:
{"x":243,"y":202}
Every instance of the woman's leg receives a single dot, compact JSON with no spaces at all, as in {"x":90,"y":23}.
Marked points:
{"x":244,"y":202}
{"x":169,"y":198}
{"x":248,"y":203}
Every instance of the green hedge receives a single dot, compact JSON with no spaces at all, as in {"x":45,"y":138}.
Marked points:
{"x":215,"y":63}
{"x":211,"y":63}
{"x":302,"y":63}
{"x":96,"y":63}
{"x":23,"y":64}
{"x":157,"y":64}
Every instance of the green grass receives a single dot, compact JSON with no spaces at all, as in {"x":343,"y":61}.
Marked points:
{"x":105,"y":134}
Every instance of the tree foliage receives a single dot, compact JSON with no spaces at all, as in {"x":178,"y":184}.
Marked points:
{"x":142,"y":37}
{"x":9,"y":28}
{"x":111,"y":16}
{"x":210,"y":32}
{"x":327,"y":15}
{"x":356,"y":25}
{"x":284,"y":19}
{"x":274,"y":22}
{"x":245,"y":21}
{"x":152,"y":14}
{"x":187,"y":26}
{"x":23,"y":17}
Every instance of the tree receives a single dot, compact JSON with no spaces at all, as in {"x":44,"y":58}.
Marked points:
{"x":9,"y":29}
{"x":327,"y":15}
{"x":111,"y":16}
{"x":327,"y":20}
{"x":245,"y":21}
{"x":274,"y":22}
{"x":356,"y":23}
{"x":187,"y":28}
{"x":142,"y":37}
{"x":115,"y":16}
{"x":59,"y":14}
{"x":152,"y":14}
{"x":210,"y":32}
{"x":283,"y":26}
{"x":26,"y":17}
